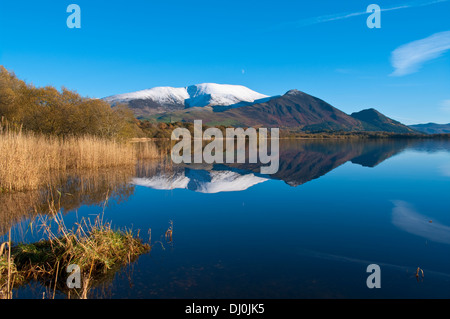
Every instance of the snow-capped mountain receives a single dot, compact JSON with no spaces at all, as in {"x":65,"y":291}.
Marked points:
{"x":239,"y":106}
{"x":212,"y":94}
{"x":162,"y":99}
{"x":162,"y":95}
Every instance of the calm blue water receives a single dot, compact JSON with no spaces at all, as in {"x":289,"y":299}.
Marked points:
{"x":309,"y":231}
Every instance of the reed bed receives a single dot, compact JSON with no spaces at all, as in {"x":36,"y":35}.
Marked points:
{"x":146,"y":150}
{"x":80,"y":170}
{"x":149,"y":150}
{"x":28,"y":160}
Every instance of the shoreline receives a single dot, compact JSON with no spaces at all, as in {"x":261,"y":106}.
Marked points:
{"x":318,"y":136}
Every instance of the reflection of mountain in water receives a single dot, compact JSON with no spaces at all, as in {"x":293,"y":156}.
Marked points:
{"x":300,"y":161}
{"x":209,"y":180}
{"x":303,"y":161}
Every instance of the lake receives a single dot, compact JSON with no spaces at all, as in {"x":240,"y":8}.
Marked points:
{"x":308,"y":231}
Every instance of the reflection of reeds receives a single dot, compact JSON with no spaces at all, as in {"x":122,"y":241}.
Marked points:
{"x":150,"y":168}
{"x":87,"y":187}
{"x":83,"y":169}
{"x":34,"y":170}
{"x":15,"y":207}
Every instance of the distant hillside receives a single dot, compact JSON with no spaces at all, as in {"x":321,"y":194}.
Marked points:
{"x":432,"y":128}
{"x":296,"y":109}
{"x":235,"y":105}
{"x":293,"y":109}
{"x":374,"y":121}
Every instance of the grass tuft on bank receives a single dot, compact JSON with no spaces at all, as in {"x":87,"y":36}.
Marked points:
{"x":96,"y":248}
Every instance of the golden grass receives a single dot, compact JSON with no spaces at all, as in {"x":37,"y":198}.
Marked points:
{"x":34,"y":167}
{"x":29,"y":160}
{"x":147,"y":150}
{"x":96,"y":248}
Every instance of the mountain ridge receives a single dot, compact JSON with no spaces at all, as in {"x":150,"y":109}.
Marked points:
{"x":165,"y":98}
{"x":432,"y":128}
{"x":374,"y":121}
{"x":236,"y":105}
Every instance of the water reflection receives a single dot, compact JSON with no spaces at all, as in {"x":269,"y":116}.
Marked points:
{"x":300,"y":162}
{"x":69,"y":192}
{"x":203,"y":180}
{"x":445,"y":169}
{"x":22,"y":211}
{"x":297,"y":258}
{"x":405,"y":217}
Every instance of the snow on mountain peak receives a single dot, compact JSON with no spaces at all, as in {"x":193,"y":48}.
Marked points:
{"x":162,"y":95}
{"x":199,"y":95}
{"x":214,"y":94}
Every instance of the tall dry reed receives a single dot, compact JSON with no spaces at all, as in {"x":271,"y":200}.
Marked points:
{"x":27,"y":159}
{"x":149,"y":150}
{"x":96,"y":248}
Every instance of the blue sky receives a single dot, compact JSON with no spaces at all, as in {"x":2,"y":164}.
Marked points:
{"x":323,"y":48}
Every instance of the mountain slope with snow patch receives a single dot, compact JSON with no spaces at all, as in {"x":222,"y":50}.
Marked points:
{"x":162,"y":99}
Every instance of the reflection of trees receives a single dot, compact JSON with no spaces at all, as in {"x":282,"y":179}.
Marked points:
{"x":69,"y":191}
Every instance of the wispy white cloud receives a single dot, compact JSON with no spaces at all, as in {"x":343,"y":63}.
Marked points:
{"x":409,"y":57}
{"x":346,"y":15}
{"x":445,"y":106}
